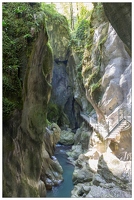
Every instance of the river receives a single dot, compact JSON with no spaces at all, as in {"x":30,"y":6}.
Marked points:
{"x":65,"y":187}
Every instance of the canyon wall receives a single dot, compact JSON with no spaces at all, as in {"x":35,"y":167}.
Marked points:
{"x":106,"y":72}
{"x":55,"y":78}
{"x":28,"y":145}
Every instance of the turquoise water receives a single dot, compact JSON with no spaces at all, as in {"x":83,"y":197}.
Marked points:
{"x":65,"y":187}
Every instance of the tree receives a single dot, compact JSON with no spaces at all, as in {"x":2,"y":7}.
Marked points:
{"x":71,"y":15}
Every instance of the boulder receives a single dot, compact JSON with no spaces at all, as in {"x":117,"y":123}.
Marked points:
{"x":75,"y":151}
{"x":82,"y":176}
{"x":66,"y":137}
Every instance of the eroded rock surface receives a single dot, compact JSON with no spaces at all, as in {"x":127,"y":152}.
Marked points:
{"x":119,"y":15}
{"x":107,"y":159}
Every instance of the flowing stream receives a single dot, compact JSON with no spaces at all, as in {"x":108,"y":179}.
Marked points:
{"x":65,"y":187}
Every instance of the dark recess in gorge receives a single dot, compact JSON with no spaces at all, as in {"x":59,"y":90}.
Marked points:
{"x":62,"y":96}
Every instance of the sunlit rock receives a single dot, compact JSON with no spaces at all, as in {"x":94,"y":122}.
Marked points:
{"x":112,"y":169}
{"x":75,"y":151}
{"x":117,"y":73}
{"x":42,"y":189}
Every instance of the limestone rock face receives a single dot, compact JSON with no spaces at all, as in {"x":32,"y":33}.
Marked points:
{"x":78,"y":89}
{"x":52,"y":175}
{"x":111,"y":179}
{"x":108,"y":161}
{"x":115,"y":170}
{"x":62,"y":83}
{"x":117,"y":70}
{"x":29,"y":158}
{"x":51,"y":171}
{"x":59,"y":38}
{"x":119,"y":15}
{"x":62,"y":94}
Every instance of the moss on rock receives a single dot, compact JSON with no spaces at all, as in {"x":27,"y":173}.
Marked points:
{"x":17,"y":41}
{"x":30,"y":55}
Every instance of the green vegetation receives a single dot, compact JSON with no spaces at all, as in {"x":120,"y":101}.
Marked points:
{"x":56,"y":115}
{"x":48,"y":62}
{"x":8,"y":108}
{"x":21,"y":24}
{"x":51,"y":14}
{"x":95,"y":86}
{"x":82,"y":30}
{"x":53,"y":112}
{"x":50,"y":10}
{"x":91,"y":68}
{"x":20,"y":28}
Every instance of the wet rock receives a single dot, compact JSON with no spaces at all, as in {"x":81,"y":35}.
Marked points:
{"x":52,"y":175}
{"x":75,"y":191}
{"x":48,"y":183}
{"x":126,"y":80}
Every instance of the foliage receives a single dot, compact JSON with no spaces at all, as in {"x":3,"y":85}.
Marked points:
{"x":98,"y":9}
{"x":56,"y":114}
{"x":16,"y":30}
{"x":48,"y":122}
{"x":91,"y":68}
{"x":82,"y":30}
{"x":51,"y":12}
{"x":53,"y":112}
{"x":98,"y":15}
{"x":95,"y":86}
{"x":50,"y":9}
{"x":18,"y":21}
{"x":48,"y":60}
{"x":8,"y":107}
{"x":83,"y":13}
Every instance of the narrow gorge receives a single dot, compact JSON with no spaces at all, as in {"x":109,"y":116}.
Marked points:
{"x":67,"y":100}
